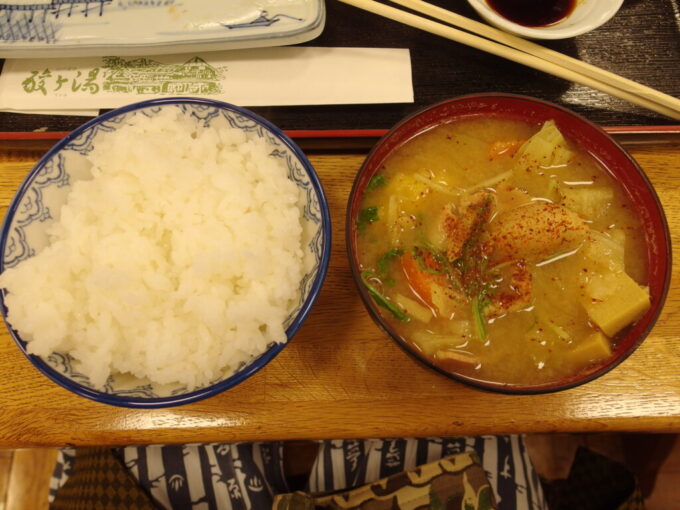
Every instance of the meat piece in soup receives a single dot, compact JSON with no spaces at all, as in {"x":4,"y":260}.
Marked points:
{"x":502,"y":252}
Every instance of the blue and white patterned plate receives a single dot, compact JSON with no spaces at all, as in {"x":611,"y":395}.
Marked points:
{"x":44,"y":191}
{"x":68,"y":28}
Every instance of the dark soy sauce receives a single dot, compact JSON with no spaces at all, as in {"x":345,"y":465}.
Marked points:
{"x":533,"y":13}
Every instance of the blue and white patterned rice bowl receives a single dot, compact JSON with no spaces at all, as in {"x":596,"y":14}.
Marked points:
{"x":45,"y":189}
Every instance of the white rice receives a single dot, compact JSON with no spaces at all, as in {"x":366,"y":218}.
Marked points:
{"x":180,"y":259}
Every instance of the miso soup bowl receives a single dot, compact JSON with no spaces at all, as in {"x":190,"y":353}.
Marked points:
{"x":616,"y":161}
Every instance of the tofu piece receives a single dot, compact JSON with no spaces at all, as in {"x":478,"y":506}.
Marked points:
{"x":622,"y":302}
{"x":595,"y":347}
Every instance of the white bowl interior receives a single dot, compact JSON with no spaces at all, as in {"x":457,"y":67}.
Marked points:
{"x":587,"y":15}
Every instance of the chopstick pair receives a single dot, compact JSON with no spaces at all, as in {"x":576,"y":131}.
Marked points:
{"x":524,"y":52}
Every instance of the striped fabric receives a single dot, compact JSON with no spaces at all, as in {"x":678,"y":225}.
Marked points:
{"x":224,"y":476}
{"x":61,"y":472}
{"x":247,"y":476}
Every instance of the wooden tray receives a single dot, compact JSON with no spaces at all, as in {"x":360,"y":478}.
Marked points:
{"x":341,"y":376}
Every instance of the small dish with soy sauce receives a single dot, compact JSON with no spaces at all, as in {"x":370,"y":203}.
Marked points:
{"x":508,"y":243}
{"x":546,"y":19}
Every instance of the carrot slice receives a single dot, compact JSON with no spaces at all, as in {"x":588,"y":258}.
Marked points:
{"x":419,"y":278}
{"x":504,"y":148}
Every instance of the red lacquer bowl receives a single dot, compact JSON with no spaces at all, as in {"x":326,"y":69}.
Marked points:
{"x":590,"y":137}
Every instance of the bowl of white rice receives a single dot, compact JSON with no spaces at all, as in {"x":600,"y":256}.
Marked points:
{"x":163,"y":252}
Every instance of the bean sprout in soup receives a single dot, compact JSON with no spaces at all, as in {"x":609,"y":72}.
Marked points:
{"x":502,"y":252}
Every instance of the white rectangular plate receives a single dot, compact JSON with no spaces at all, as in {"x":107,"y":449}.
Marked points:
{"x":74,"y":28}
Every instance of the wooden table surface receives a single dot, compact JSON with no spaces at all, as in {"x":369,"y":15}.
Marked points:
{"x":341,"y":377}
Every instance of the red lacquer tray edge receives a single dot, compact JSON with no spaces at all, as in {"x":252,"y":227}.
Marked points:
{"x":360,"y":138}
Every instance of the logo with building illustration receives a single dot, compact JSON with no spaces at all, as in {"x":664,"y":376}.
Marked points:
{"x":146,"y":76}
{"x":138,"y":76}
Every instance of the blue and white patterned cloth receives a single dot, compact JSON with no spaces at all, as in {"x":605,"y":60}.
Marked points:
{"x":247,"y":476}
{"x":346,"y":464}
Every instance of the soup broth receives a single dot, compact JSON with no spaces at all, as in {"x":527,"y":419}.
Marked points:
{"x":502,"y":252}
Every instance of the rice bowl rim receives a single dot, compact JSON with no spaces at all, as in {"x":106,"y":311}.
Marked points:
{"x":254,"y":365}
